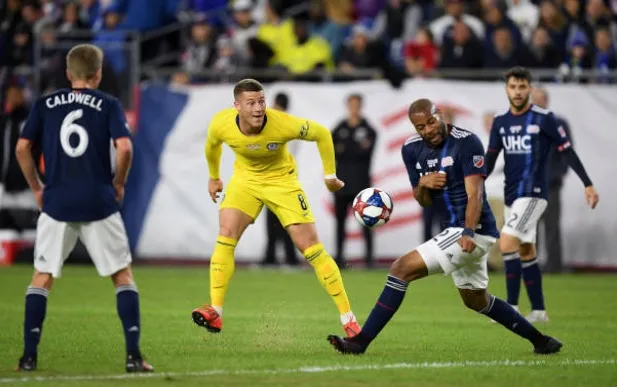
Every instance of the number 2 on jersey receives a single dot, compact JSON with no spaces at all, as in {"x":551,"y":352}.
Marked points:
{"x":68,"y":128}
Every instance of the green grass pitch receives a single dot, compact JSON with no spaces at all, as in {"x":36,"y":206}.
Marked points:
{"x":275,"y":329}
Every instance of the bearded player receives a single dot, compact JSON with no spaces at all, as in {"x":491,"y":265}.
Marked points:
{"x":526,"y":132}
{"x":265,"y":173}
{"x":446,"y":168}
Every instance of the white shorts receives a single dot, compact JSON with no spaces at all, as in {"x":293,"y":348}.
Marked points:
{"x":443,"y":254}
{"x":105,"y":240}
{"x":522,"y":217}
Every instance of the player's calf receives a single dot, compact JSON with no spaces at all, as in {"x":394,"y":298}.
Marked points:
{"x":34,"y":316}
{"x":505,"y":315}
{"x":127,"y":303}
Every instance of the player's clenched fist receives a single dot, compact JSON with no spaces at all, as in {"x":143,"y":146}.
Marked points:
{"x":334,"y":184}
{"x":592,"y":196}
{"x":214,"y":187}
{"x":433,"y":180}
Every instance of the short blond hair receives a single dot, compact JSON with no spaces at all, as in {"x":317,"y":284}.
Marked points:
{"x":84,"y":61}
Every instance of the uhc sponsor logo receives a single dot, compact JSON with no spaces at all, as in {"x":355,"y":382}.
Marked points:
{"x":517,"y":144}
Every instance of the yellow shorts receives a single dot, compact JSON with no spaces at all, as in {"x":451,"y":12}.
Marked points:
{"x":285,"y":199}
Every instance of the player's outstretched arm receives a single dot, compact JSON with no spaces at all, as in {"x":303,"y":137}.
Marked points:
{"x":591,"y":195}
{"x":312,"y":131}
{"x":561,"y":139}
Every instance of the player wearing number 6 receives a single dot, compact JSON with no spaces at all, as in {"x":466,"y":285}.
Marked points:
{"x":81,"y":196}
{"x":265,"y":174}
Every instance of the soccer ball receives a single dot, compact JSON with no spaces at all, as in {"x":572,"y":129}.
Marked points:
{"x":372,"y":207}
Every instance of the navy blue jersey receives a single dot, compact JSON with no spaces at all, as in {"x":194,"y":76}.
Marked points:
{"x":74,"y":129}
{"x":461,"y":155}
{"x":526,"y":140}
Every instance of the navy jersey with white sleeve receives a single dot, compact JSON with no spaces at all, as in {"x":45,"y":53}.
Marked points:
{"x":526,"y":140}
{"x":461,"y":155}
{"x":74,"y":128}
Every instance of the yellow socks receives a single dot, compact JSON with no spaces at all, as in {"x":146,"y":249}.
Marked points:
{"x":329,"y":276}
{"x":221,"y":270}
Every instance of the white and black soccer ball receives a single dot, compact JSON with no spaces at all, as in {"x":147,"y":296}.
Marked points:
{"x":372,"y":207}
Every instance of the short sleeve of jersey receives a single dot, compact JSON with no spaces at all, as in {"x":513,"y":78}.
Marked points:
{"x":34,"y":124}
{"x":414,"y":176}
{"x":494,"y":141}
{"x":118,"y":126}
{"x":472,"y":157}
{"x":555,"y":132}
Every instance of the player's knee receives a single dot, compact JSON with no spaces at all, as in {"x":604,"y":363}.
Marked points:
{"x":476,"y":300}
{"x":42,"y":280}
{"x":303,"y":235}
{"x":508,"y":243}
{"x":122,"y":277}
{"x":409,"y":267}
{"x":527,"y":251}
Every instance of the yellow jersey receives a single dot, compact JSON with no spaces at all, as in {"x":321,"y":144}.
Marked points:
{"x":265,"y":155}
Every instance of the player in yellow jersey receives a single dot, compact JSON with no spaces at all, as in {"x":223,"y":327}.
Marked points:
{"x":265,"y":174}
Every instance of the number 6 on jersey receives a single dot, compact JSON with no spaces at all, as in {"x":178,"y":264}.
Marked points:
{"x":68,"y":128}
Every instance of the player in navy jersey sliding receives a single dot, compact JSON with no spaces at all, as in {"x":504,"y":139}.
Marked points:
{"x":80,"y":199}
{"x":446,"y":168}
{"x":525,"y":133}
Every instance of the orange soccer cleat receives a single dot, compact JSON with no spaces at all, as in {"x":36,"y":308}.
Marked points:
{"x":206,"y":316}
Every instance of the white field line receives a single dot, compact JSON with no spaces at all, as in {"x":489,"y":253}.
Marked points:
{"x":316,"y":369}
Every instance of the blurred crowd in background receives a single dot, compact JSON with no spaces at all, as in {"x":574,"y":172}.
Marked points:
{"x":401,"y":38}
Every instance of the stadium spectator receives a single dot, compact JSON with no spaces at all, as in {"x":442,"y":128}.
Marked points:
{"x":308,"y":53}
{"x":555,"y":23}
{"x":421,"y":54}
{"x":526,"y":16}
{"x":332,"y":32}
{"x":495,"y":17}
{"x":227,"y":60}
{"x":21,"y":52}
{"x":108,"y":39}
{"x":32,"y":14}
{"x":455,"y":13}
{"x":276,"y":33}
{"x":598,"y":14}
{"x":70,"y":21}
{"x":575,"y":13}
{"x":201,"y":51}
{"x":505,"y":53}
{"x":360,"y":52}
{"x":462,"y":50}
{"x":90,"y":13}
{"x":605,"y":58}
{"x":398,"y":21}
{"x":577,"y":59}
{"x":543,"y":53}
{"x":10,"y":18}
{"x":243,"y":30}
